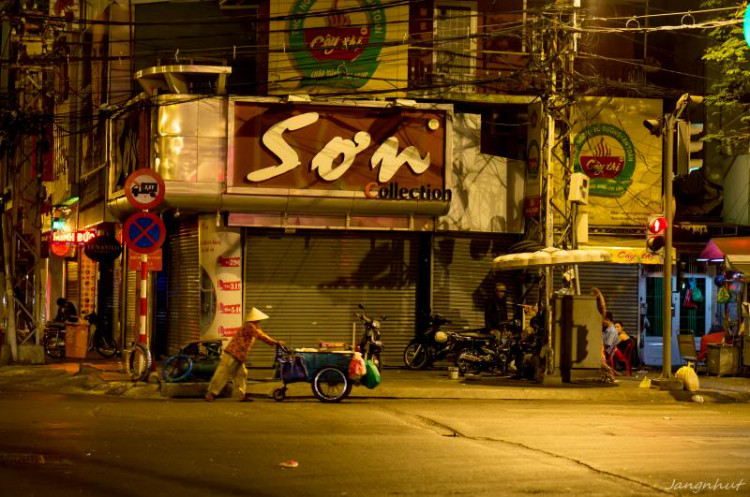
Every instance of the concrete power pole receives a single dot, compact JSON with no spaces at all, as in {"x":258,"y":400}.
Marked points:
{"x":557,"y":50}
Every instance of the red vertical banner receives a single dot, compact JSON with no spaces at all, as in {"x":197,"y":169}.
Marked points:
{"x":88,"y":286}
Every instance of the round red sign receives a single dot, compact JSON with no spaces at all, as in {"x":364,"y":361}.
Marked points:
{"x":144,"y":189}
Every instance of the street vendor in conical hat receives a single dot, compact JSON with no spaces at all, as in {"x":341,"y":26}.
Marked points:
{"x":232,"y":364}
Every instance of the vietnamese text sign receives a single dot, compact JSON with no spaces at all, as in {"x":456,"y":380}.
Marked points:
{"x":87,"y":277}
{"x":324,"y":150}
{"x":533,"y":197}
{"x":221,"y":260}
{"x":330,"y":45}
{"x":154,"y":260}
{"x":621,"y":158}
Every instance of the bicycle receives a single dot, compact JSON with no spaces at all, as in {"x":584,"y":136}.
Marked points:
{"x":100,"y":338}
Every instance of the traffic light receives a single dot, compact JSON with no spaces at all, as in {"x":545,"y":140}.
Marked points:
{"x":654,"y":126}
{"x":656,"y":232}
{"x":689,"y":148}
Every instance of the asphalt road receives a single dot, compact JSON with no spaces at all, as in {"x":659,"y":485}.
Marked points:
{"x":108,"y":446}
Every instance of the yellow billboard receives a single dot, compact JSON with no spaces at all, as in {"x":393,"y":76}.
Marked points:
{"x":621,"y":158}
{"x":338,"y":47}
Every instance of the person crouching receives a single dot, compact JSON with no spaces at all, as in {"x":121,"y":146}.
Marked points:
{"x":232,"y":363}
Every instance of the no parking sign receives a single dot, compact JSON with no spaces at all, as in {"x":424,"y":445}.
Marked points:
{"x":144,"y":232}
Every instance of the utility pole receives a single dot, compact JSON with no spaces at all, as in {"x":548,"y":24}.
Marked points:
{"x":557,"y":51}
{"x":28,"y":82}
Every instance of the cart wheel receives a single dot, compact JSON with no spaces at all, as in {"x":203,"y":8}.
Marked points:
{"x":330,"y":384}
{"x":279,"y":394}
{"x":177,"y":368}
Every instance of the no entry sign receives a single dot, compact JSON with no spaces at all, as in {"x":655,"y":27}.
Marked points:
{"x":144,"y":232}
{"x":144,"y":189}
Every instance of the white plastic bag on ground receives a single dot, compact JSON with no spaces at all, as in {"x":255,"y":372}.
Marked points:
{"x":688,"y":377}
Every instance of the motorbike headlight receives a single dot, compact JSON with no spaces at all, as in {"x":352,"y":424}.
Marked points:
{"x":376,"y":324}
{"x":441,"y":337}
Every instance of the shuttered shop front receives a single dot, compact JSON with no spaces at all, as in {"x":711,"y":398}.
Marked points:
{"x":183,"y":283}
{"x":463,"y":281}
{"x":311,"y":284}
{"x":619,"y":285}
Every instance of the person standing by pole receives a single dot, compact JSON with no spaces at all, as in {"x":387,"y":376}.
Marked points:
{"x":608,"y":375}
{"x":232,"y":364}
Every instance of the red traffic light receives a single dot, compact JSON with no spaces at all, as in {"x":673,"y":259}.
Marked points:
{"x":657,"y":225}
{"x":656,"y":233}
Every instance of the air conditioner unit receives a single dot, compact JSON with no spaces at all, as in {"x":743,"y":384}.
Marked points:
{"x":579,"y":189}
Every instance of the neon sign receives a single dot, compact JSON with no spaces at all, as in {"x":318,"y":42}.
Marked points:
{"x":77,"y":237}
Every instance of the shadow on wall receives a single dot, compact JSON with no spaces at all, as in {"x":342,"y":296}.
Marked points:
{"x":467,"y":283}
{"x":386,"y":265}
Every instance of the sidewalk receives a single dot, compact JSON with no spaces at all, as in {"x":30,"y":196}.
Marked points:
{"x":100,"y":377}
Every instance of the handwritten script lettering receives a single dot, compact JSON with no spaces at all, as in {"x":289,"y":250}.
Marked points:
{"x":387,"y":156}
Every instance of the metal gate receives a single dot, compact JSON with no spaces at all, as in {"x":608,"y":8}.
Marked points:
{"x":463,"y":281}
{"x":183,"y":308}
{"x":311,"y":284}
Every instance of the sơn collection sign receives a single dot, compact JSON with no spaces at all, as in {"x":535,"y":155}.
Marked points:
{"x":339,"y":151}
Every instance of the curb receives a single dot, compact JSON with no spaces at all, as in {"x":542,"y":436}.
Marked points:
{"x":404,"y":385}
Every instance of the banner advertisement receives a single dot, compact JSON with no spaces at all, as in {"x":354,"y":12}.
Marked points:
{"x":330,"y":46}
{"x":621,"y":158}
{"x":533,"y":198}
{"x":221,"y":279}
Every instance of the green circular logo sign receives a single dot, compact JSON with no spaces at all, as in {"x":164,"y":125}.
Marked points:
{"x":339,"y":49}
{"x":606,"y":155}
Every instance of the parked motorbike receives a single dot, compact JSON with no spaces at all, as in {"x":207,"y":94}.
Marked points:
{"x":491,"y":353}
{"x":370,"y":345}
{"x":433,"y":344}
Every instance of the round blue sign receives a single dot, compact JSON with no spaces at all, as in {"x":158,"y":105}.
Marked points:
{"x":144,"y":232}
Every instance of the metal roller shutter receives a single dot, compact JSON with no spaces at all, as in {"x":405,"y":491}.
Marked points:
{"x":184,"y":286}
{"x":619,"y":285}
{"x":311,"y":284}
{"x":72,"y":281}
{"x":463,"y":281}
{"x":131,"y":286}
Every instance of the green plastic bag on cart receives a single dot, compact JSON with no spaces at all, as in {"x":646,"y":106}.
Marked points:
{"x":371,"y":378}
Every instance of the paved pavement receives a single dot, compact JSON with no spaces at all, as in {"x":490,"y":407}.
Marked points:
{"x":100,"y":377}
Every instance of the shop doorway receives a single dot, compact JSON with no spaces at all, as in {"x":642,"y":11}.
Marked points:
{"x":688,"y":315}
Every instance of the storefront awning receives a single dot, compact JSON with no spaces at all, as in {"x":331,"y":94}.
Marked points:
{"x":626,"y":250}
{"x":550,"y":257}
{"x":733,"y":252}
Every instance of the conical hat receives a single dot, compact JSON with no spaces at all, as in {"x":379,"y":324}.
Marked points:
{"x":255,"y":315}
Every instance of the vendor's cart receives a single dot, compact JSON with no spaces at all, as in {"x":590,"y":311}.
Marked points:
{"x":326,"y":371}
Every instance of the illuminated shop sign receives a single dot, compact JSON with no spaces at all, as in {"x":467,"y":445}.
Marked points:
{"x":73,"y":237}
{"x":325,"y":150}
